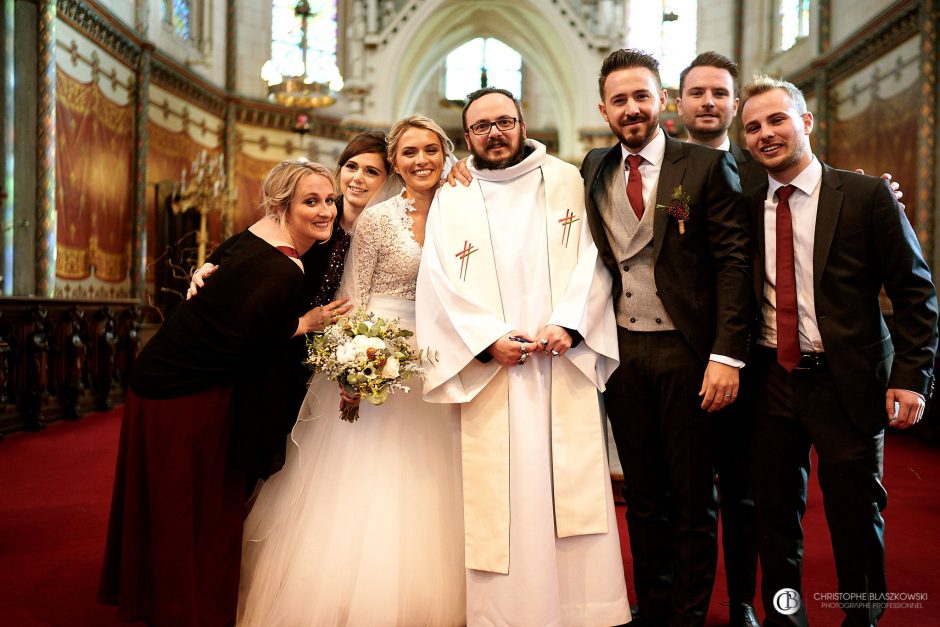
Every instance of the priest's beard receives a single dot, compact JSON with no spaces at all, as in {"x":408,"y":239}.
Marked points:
{"x":480,"y":162}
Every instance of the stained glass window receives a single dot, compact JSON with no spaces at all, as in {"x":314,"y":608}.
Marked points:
{"x":793,"y":18}
{"x":179,"y":15}
{"x":667,"y":30}
{"x":286,"y":35}
{"x":465,"y":65}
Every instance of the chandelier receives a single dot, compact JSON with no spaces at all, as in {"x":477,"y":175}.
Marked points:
{"x":303,"y":91}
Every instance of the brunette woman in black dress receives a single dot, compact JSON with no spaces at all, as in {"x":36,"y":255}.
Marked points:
{"x":174,"y":537}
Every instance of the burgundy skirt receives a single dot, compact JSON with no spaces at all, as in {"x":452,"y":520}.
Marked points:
{"x":174,"y":538}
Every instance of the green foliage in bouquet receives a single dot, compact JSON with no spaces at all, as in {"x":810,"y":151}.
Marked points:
{"x":369,"y":356}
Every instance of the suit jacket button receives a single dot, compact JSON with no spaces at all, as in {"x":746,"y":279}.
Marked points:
{"x":632,"y":319}
{"x":626,"y":268}
{"x":629,"y":295}
{"x":659,"y":320}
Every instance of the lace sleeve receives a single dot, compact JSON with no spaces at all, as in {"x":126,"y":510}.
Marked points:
{"x":362,"y":258}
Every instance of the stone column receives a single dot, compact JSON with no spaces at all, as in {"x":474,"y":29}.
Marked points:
{"x":7,"y":222}
{"x":23,"y":164}
{"x":928,"y":159}
{"x":825,"y":26}
{"x":229,"y":130}
{"x":45,"y":151}
{"x":141,"y":142}
{"x":821,"y":113}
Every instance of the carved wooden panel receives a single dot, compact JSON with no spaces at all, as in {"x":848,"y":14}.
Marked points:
{"x":60,"y":359}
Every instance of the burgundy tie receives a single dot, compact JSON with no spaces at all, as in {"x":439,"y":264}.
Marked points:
{"x":788,"y":335}
{"x":635,"y":185}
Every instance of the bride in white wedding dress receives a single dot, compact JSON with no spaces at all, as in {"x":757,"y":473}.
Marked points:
{"x":363,"y":526}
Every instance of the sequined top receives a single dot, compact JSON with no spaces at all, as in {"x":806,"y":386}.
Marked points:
{"x":333,"y":271}
{"x":384,"y":251}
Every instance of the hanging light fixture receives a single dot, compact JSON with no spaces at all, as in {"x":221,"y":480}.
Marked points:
{"x":303,"y":91}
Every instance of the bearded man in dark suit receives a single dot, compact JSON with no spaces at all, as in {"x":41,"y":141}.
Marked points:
{"x":669,"y":223}
{"x":828,"y":374}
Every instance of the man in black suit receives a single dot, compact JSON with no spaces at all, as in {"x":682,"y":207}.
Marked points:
{"x":707,"y":105}
{"x":670,"y":226}
{"x":827,"y":372}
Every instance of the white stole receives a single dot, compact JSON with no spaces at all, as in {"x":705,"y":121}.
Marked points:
{"x":579,"y":469}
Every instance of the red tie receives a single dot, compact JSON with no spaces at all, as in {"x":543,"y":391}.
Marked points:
{"x":788,"y":335}
{"x":635,"y":185}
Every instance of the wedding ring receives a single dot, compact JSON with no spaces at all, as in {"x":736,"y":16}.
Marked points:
{"x":727,"y":396}
{"x":543,"y":342}
{"x":555,"y":353}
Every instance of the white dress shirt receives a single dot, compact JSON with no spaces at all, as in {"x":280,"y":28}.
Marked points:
{"x":653,"y":154}
{"x":804,"y":203}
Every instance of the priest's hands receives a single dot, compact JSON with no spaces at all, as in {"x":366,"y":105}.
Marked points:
{"x":719,"y":387}
{"x":554,"y":340}
{"x":516,"y":348}
{"x":513,"y":349}
{"x":459,"y":173}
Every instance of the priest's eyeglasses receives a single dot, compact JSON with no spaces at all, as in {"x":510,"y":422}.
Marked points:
{"x":503,"y":124}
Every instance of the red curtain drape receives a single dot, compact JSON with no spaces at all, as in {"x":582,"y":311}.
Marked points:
{"x":94,"y":182}
{"x":171,"y":152}
{"x":887,"y":146}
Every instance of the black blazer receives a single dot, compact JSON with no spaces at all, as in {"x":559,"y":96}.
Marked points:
{"x":863,"y":241}
{"x":703,"y":276}
{"x":752,"y":173}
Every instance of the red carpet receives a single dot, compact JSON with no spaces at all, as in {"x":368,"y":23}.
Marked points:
{"x":55,"y":487}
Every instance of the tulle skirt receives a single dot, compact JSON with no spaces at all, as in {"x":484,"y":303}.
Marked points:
{"x":364,"y":524}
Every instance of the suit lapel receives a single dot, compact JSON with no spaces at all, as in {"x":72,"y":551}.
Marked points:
{"x":827,"y":217}
{"x":740,"y":156}
{"x":596,"y":183}
{"x":670,"y":177}
{"x":755,"y":202}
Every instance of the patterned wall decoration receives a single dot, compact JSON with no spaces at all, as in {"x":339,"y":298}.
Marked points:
{"x":883,"y":147}
{"x":171,"y":152}
{"x":886,"y":91}
{"x":249,"y":173}
{"x":94,"y":184}
{"x":45,"y":150}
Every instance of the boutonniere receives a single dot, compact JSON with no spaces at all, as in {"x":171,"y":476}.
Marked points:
{"x":678,"y":207}
{"x":566,"y":223}
{"x":464,"y":256}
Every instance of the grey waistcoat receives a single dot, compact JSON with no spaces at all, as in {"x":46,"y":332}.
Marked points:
{"x":631,"y":242}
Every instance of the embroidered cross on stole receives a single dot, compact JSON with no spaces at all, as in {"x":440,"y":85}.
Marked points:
{"x":579,"y":469}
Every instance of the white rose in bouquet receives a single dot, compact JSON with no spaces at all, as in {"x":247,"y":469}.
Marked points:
{"x":390,"y":371}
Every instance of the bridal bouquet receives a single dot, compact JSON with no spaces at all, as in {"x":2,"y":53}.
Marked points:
{"x":368,"y":356}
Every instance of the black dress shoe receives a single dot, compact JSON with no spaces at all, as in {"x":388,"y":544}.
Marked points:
{"x":742,"y":615}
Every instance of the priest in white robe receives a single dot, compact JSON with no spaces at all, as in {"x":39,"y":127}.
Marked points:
{"x":516,"y":310}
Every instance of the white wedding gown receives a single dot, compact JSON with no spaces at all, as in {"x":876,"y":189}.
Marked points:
{"x":363,"y":526}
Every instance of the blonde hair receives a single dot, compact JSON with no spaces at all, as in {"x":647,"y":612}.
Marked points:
{"x":416,"y":121}
{"x":762,"y":83}
{"x":281,"y":181}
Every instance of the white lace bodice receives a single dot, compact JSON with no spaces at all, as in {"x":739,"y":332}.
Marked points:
{"x":384,"y":254}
